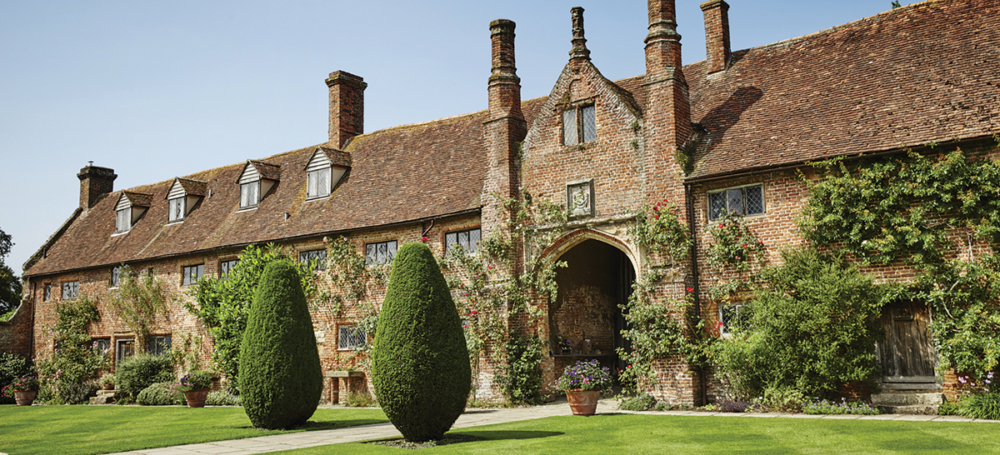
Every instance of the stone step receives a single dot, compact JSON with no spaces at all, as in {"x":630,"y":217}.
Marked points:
{"x":907,"y":398}
{"x":915,"y":409}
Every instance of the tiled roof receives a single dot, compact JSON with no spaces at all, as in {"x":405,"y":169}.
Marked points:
{"x":400,"y":174}
{"x":909,"y":76}
{"x":138,"y":199}
{"x":922,"y":73}
{"x":193,"y":187}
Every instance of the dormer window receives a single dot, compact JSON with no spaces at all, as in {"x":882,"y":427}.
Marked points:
{"x":256,"y":180}
{"x":324,"y":171}
{"x":130,"y":207}
{"x":579,"y":122}
{"x":182,"y":197}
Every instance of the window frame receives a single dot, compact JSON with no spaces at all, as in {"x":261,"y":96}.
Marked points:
{"x":581,"y":121}
{"x":172,"y":206}
{"x":724,"y":329}
{"x":159,"y":348}
{"x":373,"y":263}
{"x":47,"y":293}
{"x":74,"y":286}
{"x":312,"y":176}
{"x":116,"y":276}
{"x":743,"y":193}
{"x":256,"y":184}
{"x":353,"y":336}
{"x":123,"y":217}
{"x":223,"y":271}
{"x":186,"y":276}
{"x":96,"y":343}
{"x":318,"y":254}
{"x":456,"y":233}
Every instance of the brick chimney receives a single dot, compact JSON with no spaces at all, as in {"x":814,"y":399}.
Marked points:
{"x":504,"y":129}
{"x":347,"y":107}
{"x":716,"y":34}
{"x":94,"y":182}
{"x":579,"y":51}
{"x":667,"y":114}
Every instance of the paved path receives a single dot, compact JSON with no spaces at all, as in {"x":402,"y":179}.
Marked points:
{"x":471,"y":418}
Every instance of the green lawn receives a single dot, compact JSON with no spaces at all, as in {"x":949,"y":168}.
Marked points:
{"x":641,"y":434}
{"x":68,"y":430}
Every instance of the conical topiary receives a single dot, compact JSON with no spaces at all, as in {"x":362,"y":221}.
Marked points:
{"x":280,"y":375}
{"x":420,"y":365}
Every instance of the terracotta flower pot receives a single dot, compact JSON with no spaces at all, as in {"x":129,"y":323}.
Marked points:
{"x":25,"y":397}
{"x":196,"y":398}
{"x":583,"y":402}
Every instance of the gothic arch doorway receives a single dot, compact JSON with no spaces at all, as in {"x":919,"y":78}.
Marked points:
{"x":586,"y":312}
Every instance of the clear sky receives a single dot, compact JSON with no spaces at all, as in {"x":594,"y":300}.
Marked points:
{"x":157,"y":90}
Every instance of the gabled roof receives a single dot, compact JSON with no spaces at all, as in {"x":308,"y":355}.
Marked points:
{"x":906,"y":77}
{"x":137,"y":199}
{"x":337,"y":157}
{"x":924,"y":73}
{"x":192,"y":187}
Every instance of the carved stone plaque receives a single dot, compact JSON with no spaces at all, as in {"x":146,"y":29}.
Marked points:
{"x":580,"y":198}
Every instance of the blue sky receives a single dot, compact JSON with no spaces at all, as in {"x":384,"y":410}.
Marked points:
{"x":156,"y":90}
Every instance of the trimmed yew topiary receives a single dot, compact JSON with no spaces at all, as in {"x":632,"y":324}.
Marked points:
{"x":420,"y":365}
{"x":280,"y":376}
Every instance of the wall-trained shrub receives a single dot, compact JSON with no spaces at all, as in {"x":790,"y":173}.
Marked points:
{"x":810,"y":328}
{"x":420,"y":363}
{"x":280,"y":375}
{"x":136,"y":373}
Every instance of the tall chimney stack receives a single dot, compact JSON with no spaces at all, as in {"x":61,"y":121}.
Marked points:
{"x":347,"y":107}
{"x":716,"y":34}
{"x":667,"y":114}
{"x":579,"y":51}
{"x":94,"y":182}
{"x":504,"y":129}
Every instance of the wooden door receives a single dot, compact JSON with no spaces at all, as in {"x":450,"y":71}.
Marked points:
{"x":907,"y":354}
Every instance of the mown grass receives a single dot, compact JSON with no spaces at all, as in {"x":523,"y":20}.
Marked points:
{"x":641,"y":434}
{"x":68,"y":430}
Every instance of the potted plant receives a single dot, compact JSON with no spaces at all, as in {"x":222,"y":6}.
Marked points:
{"x":23,"y":390}
{"x":107,"y":382}
{"x":583,"y":383}
{"x":196,"y":386}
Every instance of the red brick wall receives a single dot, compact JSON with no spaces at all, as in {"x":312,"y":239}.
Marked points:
{"x":15,"y":334}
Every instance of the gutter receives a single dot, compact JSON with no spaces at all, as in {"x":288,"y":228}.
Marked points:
{"x":245,"y":244}
{"x":847,"y":157}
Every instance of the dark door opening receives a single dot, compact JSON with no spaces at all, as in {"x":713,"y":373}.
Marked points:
{"x":907,"y":354}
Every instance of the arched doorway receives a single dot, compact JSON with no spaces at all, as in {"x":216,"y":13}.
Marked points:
{"x":596,"y":282}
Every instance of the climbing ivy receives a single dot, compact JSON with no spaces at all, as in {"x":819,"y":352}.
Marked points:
{"x":923,"y":210}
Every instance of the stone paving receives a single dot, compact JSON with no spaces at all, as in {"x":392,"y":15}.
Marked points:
{"x":472,"y":418}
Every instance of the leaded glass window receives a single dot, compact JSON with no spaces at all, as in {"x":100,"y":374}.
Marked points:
{"x":116,"y":275}
{"x":380,"y":253}
{"x":192,"y":273}
{"x":225,"y":267}
{"x":318,"y":183}
{"x":176,"y":207}
{"x":468,"y":240}
{"x":158,"y":344}
{"x":48,"y":292}
{"x":101,"y":345}
{"x":579,"y":125}
{"x":731,"y":317}
{"x":350,"y":337}
{"x":748,"y":200}
{"x":70,"y":290}
{"x":569,"y":127}
{"x":314,"y":255}
{"x":123,"y":220}
{"x":589,"y":123}
{"x":249,"y":194}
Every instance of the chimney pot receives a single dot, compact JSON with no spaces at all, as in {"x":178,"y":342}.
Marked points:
{"x":347,"y":107}
{"x":716,"y":34}
{"x":504,"y":85}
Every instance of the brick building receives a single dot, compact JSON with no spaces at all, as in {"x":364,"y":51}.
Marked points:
{"x":748,"y":120}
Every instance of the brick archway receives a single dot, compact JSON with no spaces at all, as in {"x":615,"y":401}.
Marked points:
{"x":568,"y":241}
